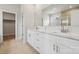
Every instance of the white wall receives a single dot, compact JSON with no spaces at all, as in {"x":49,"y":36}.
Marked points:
{"x":75,"y":21}
{"x":13,"y":8}
{"x":31,"y":17}
{"x":28,"y":18}
{"x":44,"y":6}
{"x":38,"y":15}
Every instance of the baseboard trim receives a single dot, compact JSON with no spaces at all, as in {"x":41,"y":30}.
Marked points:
{"x":8,"y":34}
{"x":32,"y":47}
{"x":1,"y":43}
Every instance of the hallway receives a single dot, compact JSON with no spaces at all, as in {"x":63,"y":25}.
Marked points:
{"x":16,"y":47}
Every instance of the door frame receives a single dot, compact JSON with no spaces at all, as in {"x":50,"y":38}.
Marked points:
{"x":15,"y":21}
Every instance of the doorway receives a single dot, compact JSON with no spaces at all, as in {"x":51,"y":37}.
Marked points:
{"x":8,"y":26}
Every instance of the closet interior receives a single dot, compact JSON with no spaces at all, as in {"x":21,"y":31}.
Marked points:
{"x":8,"y":26}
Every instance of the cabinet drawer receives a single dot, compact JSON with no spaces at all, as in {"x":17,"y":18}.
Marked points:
{"x":65,"y":49}
{"x":69,"y":42}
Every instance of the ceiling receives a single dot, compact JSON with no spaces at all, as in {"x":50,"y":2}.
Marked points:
{"x":53,"y":8}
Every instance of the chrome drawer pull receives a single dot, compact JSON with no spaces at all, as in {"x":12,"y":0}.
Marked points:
{"x":54,"y":47}
{"x":57,"y":48}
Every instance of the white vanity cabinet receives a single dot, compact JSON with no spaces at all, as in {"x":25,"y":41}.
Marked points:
{"x":68,"y":46}
{"x":53,"y":44}
{"x":30,"y":37}
{"x":38,"y":41}
{"x":46,"y":43}
{"x":34,"y":39}
{"x":62,"y":47}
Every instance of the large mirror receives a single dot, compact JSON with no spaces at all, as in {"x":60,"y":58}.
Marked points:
{"x":53,"y":13}
{"x":64,"y":15}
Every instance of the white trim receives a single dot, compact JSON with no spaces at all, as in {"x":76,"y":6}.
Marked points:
{"x":9,"y":34}
{"x":15,"y":20}
{"x":8,"y":11}
{"x":1,"y":37}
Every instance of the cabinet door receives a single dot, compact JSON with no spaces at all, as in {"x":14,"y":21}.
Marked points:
{"x":52,"y":47}
{"x":68,"y":45}
{"x":63,"y":49}
{"x":36,"y":41}
{"x":30,"y":37}
{"x":1,"y":27}
{"x":48,"y":44}
{"x":53,"y":44}
{"x":42,"y":43}
{"x":37,"y":44}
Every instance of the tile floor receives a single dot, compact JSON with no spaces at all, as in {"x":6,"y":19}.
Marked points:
{"x":16,"y":47}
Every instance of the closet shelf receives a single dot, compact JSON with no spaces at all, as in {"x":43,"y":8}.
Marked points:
{"x":7,"y":20}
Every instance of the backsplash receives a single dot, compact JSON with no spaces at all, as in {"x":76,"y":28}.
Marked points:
{"x":57,"y":29}
{"x":74,"y":29}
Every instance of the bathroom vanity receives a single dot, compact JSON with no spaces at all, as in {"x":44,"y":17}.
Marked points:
{"x":51,"y":42}
{"x":59,"y":33}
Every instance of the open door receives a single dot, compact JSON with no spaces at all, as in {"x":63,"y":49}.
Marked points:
{"x":8,"y":26}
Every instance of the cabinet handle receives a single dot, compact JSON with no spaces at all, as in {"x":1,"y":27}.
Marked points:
{"x":57,"y":48}
{"x":54,"y":47}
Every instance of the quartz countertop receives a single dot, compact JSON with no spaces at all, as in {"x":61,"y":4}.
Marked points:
{"x":74,"y":36}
